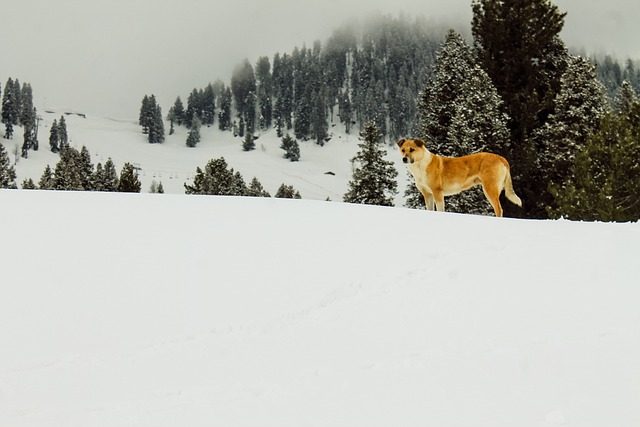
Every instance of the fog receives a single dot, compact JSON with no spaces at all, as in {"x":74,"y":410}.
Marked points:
{"x":101,"y":57}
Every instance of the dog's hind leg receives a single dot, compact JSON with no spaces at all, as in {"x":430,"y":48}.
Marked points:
{"x":492,"y":192}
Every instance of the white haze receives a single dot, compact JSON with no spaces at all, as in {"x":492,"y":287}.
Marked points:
{"x":102,"y":56}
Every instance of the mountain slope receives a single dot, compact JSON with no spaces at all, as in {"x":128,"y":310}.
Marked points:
{"x":170,"y":310}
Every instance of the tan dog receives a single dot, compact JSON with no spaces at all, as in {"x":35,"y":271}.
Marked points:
{"x":438,"y":176}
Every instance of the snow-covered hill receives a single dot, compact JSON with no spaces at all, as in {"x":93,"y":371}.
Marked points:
{"x":173,"y":310}
{"x":321,"y":173}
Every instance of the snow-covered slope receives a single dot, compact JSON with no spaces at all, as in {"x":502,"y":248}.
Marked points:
{"x":168,"y":310}
{"x":173,"y":164}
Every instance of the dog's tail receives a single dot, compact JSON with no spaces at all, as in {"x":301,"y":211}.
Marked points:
{"x":508,"y":188}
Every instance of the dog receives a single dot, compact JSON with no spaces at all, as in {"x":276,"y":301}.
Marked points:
{"x":438,"y":176}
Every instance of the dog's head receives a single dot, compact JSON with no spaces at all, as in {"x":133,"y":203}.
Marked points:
{"x":412,"y":150}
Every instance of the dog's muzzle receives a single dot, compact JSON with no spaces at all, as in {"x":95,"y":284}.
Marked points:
{"x":407,"y":160}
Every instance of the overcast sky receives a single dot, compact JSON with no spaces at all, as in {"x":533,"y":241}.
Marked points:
{"x":102,"y":56}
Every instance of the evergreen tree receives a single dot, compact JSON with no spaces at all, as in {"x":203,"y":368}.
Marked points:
{"x":69,"y":173}
{"x":193,"y":108}
{"x":28,"y":184}
{"x":155,"y":123}
{"x":30,"y":132}
{"x":208,"y":106}
{"x":625,"y":98}
{"x":605,"y":183}
{"x":98,"y":178}
{"x":110,"y":180}
{"x":47,"y":181}
{"x":319,"y":126}
{"x":224,"y":115}
{"x":460,"y":114}
{"x":373,"y":181}
{"x":144,"y":118}
{"x":54,"y":137}
{"x":62,"y":132}
{"x":287,"y":192}
{"x":7,"y":172}
{"x":518,"y":45}
{"x":216,"y":179}
{"x":580,"y":104}
{"x":248,"y":143}
{"x":256,"y":189}
{"x":177,"y":112}
{"x":291,"y":148}
{"x":243,"y":87}
{"x":10,"y":110}
{"x":413,"y":196}
{"x":264,"y":85}
{"x":346,"y":111}
{"x":129,"y":182}
{"x":86,"y":168}
{"x":156,"y":188}
{"x":194,"y":133}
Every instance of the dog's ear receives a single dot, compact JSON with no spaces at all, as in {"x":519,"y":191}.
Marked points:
{"x":419,"y":142}
{"x":401,"y":142}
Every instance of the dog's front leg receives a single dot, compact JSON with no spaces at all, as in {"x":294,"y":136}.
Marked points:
{"x":438,"y":195}
{"x":428,"y":200}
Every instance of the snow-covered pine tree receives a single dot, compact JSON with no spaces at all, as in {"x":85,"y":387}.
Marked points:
{"x":605,"y":183}
{"x":208,"y":106}
{"x":255,"y":189}
{"x":143,"y":118}
{"x":156,"y":125}
{"x":518,"y":45}
{"x":46,"y":180}
{"x":10,"y":108}
{"x":291,"y":148}
{"x":86,"y":168}
{"x":460,"y":114}
{"x":129,"y":182}
{"x":224,"y":115}
{"x":319,"y":127}
{"x":216,"y":179}
{"x":62,"y":132}
{"x":176,"y":113}
{"x":579,"y":106}
{"x":373,"y":180}
{"x":287,"y":192}
{"x":68,"y":173}
{"x":264,"y":84}
{"x":248,"y":143}
{"x":54,"y":137}
{"x":194,"y":133}
{"x":110,"y":180}
{"x":7,"y":172}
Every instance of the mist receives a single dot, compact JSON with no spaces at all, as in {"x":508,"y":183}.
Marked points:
{"x":101,"y":57}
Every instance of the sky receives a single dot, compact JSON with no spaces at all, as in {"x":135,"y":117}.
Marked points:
{"x":102,"y":56}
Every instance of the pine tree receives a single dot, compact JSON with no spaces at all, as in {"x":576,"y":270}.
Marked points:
{"x":144,"y":117}
{"x":255,"y":189}
{"x":580,"y":104}
{"x":54,"y":137}
{"x":62,"y":132}
{"x":10,"y":108}
{"x":291,"y":148}
{"x":194,"y":133}
{"x":224,"y":115}
{"x":110,"y":179}
{"x":460,"y":114}
{"x":287,"y":192}
{"x":7,"y":172}
{"x":177,"y":112}
{"x":155,"y":123}
{"x":68,"y":173}
{"x":216,"y":179}
{"x":129,"y":182}
{"x":518,"y":45}
{"x":47,"y":180}
{"x":319,"y":127}
{"x":248,"y":143}
{"x":264,"y":85}
{"x":208,"y":106}
{"x":605,"y":183}
{"x":86,"y":169}
{"x":373,"y":181}
{"x":28,"y":184}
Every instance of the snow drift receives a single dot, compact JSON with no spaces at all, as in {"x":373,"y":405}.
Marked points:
{"x":166,"y":310}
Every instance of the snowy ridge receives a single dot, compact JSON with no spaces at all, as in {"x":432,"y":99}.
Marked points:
{"x":171,"y":310}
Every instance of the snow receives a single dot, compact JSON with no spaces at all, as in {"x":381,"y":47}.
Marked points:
{"x":174,"y":310}
{"x":173,"y":163}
